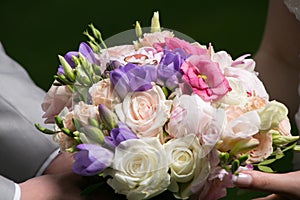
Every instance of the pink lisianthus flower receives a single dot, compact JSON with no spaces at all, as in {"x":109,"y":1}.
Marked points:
{"x":205,"y":77}
{"x":188,"y":48}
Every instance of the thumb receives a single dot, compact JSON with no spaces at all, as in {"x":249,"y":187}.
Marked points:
{"x":267,"y":182}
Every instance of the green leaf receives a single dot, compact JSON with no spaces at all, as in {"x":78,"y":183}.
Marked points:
{"x":279,"y":156}
{"x":290,"y":147}
{"x":267,"y":162}
{"x":297,"y":148}
{"x":265,"y":168}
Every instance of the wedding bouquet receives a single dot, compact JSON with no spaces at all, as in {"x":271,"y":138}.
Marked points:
{"x":163,"y":114}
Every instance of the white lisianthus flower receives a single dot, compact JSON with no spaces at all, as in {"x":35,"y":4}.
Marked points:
{"x":249,"y":80}
{"x":190,"y":114}
{"x":237,"y":95}
{"x":145,"y":112}
{"x":187,"y":164}
{"x":140,"y":169}
{"x":272,"y":114}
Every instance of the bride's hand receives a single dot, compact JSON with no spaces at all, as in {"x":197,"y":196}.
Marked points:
{"x":281,"y":186}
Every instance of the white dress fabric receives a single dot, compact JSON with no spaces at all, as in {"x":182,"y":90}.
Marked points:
{"x":294,"y":7}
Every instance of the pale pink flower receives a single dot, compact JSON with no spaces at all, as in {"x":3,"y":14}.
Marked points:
{"x":102,"y":93}
{"x":65,"y":142}
{"x":205,"y":78}
{"x":82,"y":112}
{"x":145,"y":112}
{"x":190,"y":114}
{"x":263,"y":150}
{"x":188,"y":48}
{"x":55,"y":100}
{"x":157,"y":37}
{"x":284,"y":127}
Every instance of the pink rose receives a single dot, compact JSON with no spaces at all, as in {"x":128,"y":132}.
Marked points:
{"x":174,"y":43}
{"x":205,"y":77}
{"x":55,"y":100}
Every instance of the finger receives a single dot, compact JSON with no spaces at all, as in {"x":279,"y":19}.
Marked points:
{"x":268,"y":182}
{"x":270,"y":197}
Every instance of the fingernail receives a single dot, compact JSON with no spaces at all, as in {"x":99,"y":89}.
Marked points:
{"x":242,"y":180}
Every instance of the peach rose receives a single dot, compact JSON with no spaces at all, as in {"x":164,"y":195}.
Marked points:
{"x":82,"y":112}
{"x":102,"y":93}
{"x":145,"y":112}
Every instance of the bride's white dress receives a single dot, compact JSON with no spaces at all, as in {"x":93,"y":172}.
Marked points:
{"x":294,"y":7}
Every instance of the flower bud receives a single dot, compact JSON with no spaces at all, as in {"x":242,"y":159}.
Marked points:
{"x":138,"y":29}
{"x":59,"y":122}
{"x":44,"y":130}
{"x":155,"y":25}
{"x":108,"y":117}
{"x":244,"y":146}
{"x":68,"y":71}
{"x":91,"y":135}
{"x":282,"y":139}
{"x":224,"y":157}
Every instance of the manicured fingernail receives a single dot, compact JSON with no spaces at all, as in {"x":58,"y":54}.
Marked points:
{"x":242,"y":180}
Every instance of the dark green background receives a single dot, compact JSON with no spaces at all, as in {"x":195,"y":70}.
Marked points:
{"x":35,"y":32}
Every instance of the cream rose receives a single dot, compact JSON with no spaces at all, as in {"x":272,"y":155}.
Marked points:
{"x":55,"y":100}
{"x":102,"y":93}
{"x":140,"y":169}
{"x":145,"y":112}
{"x":82,"y":112}
{"x":187,"y":164}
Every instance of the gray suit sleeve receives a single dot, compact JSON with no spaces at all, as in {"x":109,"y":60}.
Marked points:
{"x":7,"y":189}
{"x":23,"y":148}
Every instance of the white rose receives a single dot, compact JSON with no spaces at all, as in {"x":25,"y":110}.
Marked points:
{"x":187,"y":164}
{"x":102,"y":93}
{"x":145,"y":112}
{"x":190,"y":114}
{"x":57,"y":98}
{"x":140,"y":169}
{"x":82,"y":112}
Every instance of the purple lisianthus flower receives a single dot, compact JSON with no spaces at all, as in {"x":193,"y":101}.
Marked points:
{"x":132,"y":78}
{"x":168,"y":71}
{"x":118,"y":135}
{"x":91,"y":159}
{"x":85,"y":50}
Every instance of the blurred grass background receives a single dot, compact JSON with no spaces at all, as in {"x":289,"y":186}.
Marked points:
{"x":34,"y":32}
